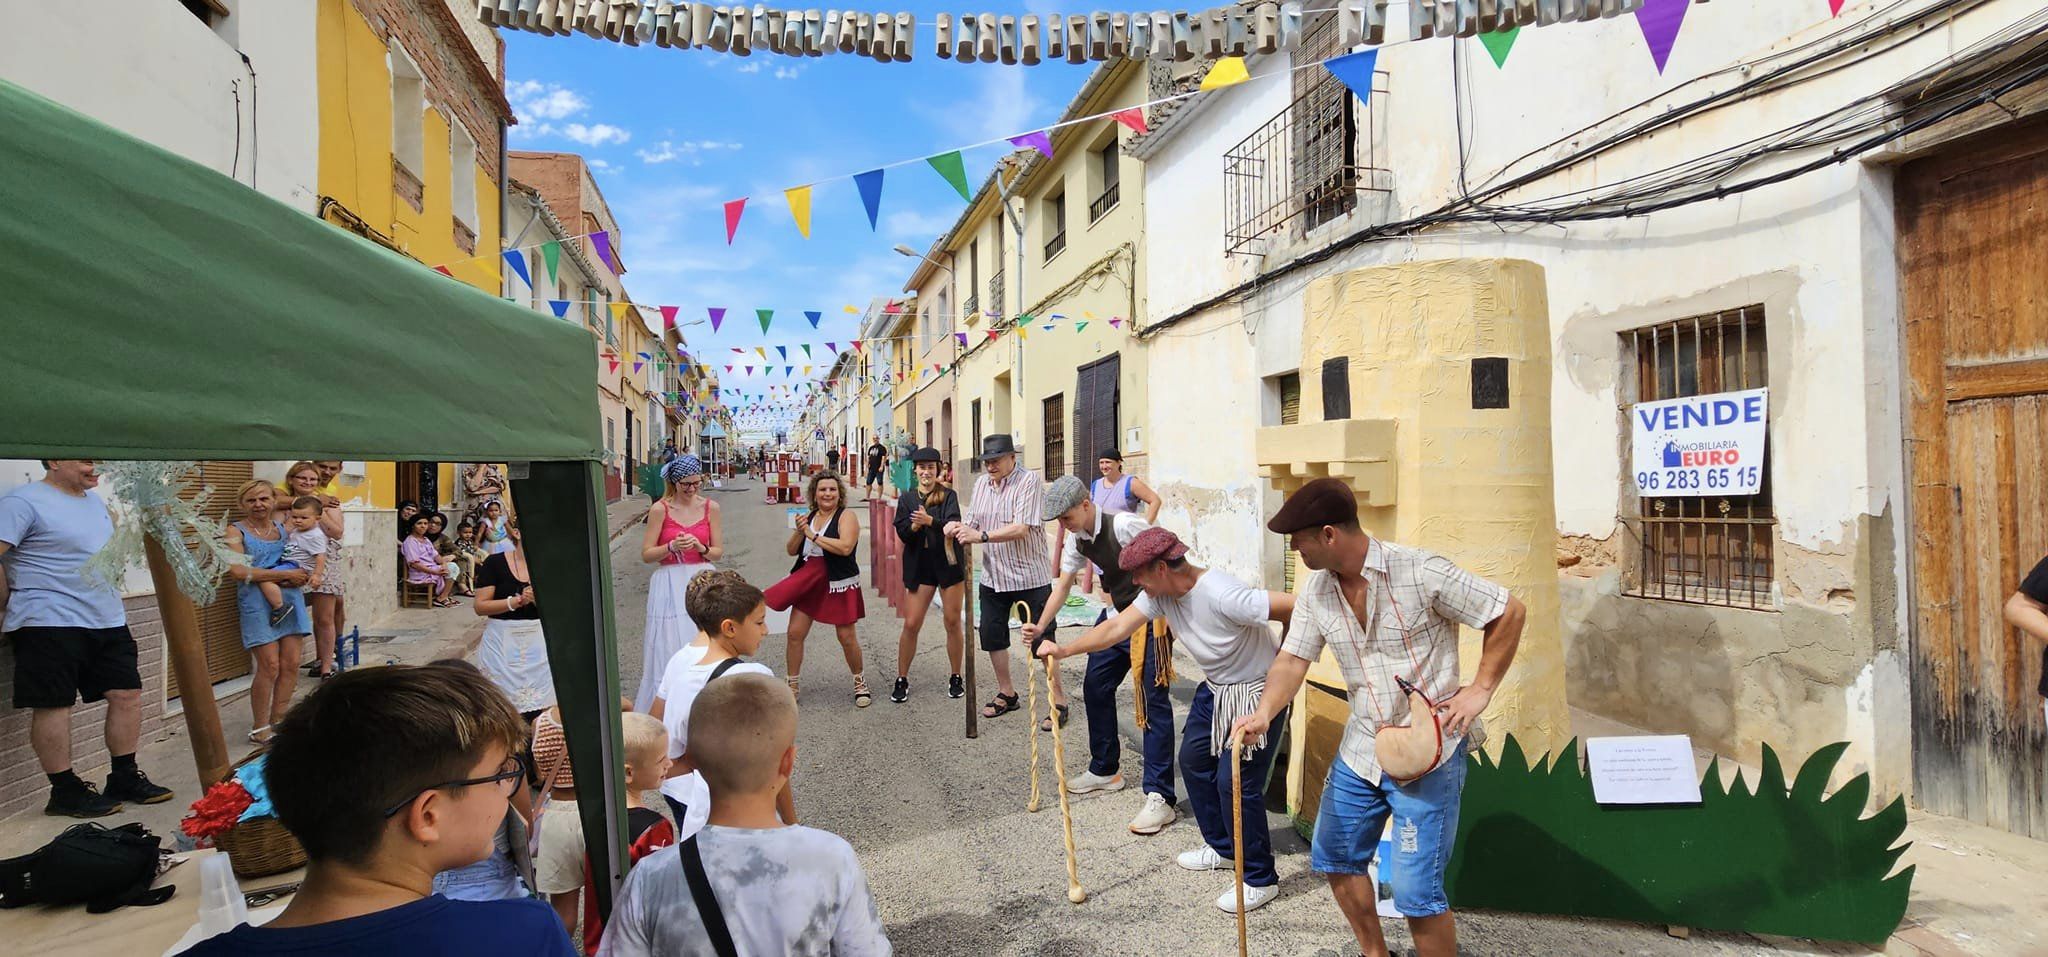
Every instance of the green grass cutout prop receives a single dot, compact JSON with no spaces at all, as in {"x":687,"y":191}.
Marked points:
{"x":1773,"y":861}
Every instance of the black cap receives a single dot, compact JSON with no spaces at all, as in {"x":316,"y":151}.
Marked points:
{"x":1110,"y":453}
{"x":926,"y":454}
{"x":1325,"y":501}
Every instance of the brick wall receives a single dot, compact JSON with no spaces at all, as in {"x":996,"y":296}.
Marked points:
{"x":458,"y":80}
{"x":22,"y":784}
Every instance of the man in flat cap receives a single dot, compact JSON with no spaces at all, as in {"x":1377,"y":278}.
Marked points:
{"x":1388,"y":614}
{"x":1006,"y":519}
{"x":1099,"y":537}
{"x":1221,"y":623}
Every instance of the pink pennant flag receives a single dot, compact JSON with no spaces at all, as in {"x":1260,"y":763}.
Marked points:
{"x":733,"y":209}
{"x":1116,"y":323}
{"x":1135,"y":118}
{"x":668,"y":318}
{"x":728,"y":370}
{"x":1835,"y":7}
{"x":1040,"y":141}
{"x":614,"y":360}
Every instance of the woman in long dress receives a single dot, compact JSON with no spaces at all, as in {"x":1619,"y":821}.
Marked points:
{"x":683,"y":538}
{"x":513,"y":653}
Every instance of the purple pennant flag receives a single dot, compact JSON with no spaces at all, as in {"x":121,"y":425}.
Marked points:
{"x":560,"y":306}
{"x":1040,"y":141}
{"x":603,"y":242}
{"x":717,"y":318}
{"x":962,"y":337}
{"x":833,"y":346}
{"x":750,"y":369}
{"x":1116,"y":323}
{"x":1660,"y":20}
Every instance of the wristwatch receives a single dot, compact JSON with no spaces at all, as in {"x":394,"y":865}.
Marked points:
{"x":984,"y":536}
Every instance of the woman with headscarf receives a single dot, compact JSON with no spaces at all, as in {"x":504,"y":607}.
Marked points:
{"x":406,"y":510}
{"x":683,"y":538}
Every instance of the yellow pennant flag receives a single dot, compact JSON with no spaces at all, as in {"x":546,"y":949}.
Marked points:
{"x":854,"y":310}
{"x":1228,"y":71}
{"x":619,"y":310}
{"x":800,"y":207}
{"x":763,"y":351}
{"x":1020,"y":331}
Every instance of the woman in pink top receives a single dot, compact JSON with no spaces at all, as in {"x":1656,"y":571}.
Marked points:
{"x":683,"y":538}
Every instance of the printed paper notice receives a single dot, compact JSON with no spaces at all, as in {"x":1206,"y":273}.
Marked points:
{"x":1650,"y":769}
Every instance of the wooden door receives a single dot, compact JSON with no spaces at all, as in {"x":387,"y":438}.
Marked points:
{"x":1096,"y":422}
{"x":220,"y":623}
{"x":1973,"y":251}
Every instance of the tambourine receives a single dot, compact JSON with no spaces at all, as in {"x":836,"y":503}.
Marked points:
{"x":1409,"y":751}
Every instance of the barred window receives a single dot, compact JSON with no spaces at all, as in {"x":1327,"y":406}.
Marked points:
{"x":1055,"y":437}
{"x":1709,"y":549}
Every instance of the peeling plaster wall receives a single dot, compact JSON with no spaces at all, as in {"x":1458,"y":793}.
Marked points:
{"x":1198,"y":459}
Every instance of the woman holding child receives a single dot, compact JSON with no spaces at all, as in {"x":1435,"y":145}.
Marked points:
{"x":824,"y":585}
{"x":932,"y":564}
{"x":683,"y":538}
{"x":273,"y":640}
{"x":514,"y":652}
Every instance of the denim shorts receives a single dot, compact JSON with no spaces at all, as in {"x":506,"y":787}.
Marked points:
{"x":1425,"y":824}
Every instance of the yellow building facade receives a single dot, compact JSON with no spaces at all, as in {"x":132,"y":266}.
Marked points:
{"x":411,"y":120}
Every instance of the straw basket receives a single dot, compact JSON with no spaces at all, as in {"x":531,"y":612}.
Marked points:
{"x":261,"y":846}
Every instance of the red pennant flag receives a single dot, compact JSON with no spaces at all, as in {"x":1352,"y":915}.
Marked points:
{"x":1835,"y":7}
{"x":995,"y":334}
{"x":856,"y":345}
{"x":1135,"y":116}
{"x":668,"y":318}
{"x":733,"y":208}
{"x":443,"y":270}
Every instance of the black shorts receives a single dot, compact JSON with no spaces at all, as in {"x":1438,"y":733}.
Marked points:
{"x":55,"y":667}
{"x":921,"y":568}
{"x":874,"y":476}
{"x":995,"y":614}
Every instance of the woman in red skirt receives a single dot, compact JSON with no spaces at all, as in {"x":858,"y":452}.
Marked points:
{"x":824,"y":585}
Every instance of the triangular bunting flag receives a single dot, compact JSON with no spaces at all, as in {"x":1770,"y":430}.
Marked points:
{"x":443,"y":270}
{"x":833,"y":347}
{"x":1080,"y":325}
{"x":733,"y":209}
{"x":614,"y":360}
{"x":870,"y":185}
{"x":784,"y":350}
{"x":619,"y":310}
{"x":853,"y":310}
{"x":560,"y":306}
{"x":750,"y":369}
{"x":800,"y":208}
{"x":763,"y":351}
{"x":1660,"y":20}
{"x":807,"y":370}
{"x":1354,"y":70}
{"x":995,"y":333}
{"x":603,"y":241}
{"x":949,"y":166}
{"x":1133,"y":118}
{"x":765,"y":315}
{"x":807,"y":350}
{"x":788,"y":370}
{"x":551,"y":253}
{"x":1021,"y":330}
{"x":728,"y":369}
{"x":962,"y":337}
{"x":518,"y":264}
{"x":856,"y":345}
{"x":636,"y":365}
{"x":668,"y":317}
{"x":1039,"y":140}
{"x":1835,"y":7}
{"x":815,"y":317}
{"x":717,"y":317}
{"x":938,"y":369}
{"x":1498,"y":43}
{"x":1228,"y":71}
{"x":1116,"y":323}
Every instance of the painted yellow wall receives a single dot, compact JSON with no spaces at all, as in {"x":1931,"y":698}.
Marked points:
{"x":1471,"y":484}
{"x":355,"y":170}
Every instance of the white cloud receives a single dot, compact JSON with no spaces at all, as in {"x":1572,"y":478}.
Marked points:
{"x":596,"y":134}
{"x":787,"y":72}
{"x":537,"y":102}
{"x":917,"y":226}
{"x":601,"y":166}
{"x":670,"y":150}
{"x":751,"y":66}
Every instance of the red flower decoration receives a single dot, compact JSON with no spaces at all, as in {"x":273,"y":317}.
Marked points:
{"x":217,"y":810}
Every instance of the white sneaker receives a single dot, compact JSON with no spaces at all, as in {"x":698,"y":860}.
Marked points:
{"x":1154,"y":816}
{"x":1202,"y":858}
{"x":1087,"y":783}
{"x":1254,"y":898}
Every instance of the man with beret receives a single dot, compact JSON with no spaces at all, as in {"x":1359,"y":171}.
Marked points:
{"x":1067,"y":501}
{"x":1387,"y":614}
{"x":1221,"y":623}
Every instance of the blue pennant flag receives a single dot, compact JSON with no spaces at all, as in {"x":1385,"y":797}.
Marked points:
{"x":870,"y":184}
{"x":560,"y":306}
{"x":814,"y":317}
{"x":518,"y":264}
{"x":1355,"y":70}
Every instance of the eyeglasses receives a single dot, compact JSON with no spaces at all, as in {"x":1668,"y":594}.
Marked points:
{"x":510,"y":772}
{"x":690,"y":485}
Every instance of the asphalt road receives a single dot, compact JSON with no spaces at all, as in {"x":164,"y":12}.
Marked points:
{"x":959,"y":867}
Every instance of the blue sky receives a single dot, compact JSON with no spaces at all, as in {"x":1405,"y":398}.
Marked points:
{"x":673,"y":134}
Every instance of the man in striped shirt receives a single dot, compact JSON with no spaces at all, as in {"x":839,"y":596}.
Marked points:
{"x":1004,"y":519}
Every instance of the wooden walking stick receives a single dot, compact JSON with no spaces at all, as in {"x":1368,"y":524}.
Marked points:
{"x":969,"y":643}
{"x":1031,"y":692}
{"x":1059,"y":763}
{"x":1237,"y":833}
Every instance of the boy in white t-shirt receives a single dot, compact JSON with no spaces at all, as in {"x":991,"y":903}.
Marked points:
{"x":734,"y":618}
{"x":773,"y":887}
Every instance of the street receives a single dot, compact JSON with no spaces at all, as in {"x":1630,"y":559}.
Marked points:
{"x":957,"y":864}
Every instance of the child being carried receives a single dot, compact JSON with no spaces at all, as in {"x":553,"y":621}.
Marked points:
{"x":305,"y":549}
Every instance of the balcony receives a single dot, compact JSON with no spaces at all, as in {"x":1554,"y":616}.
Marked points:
{"x":1103,"y":203}
{"x":971,"y":308}
{"x":1055,"y":245}
{"x":995,"y":294}
{"x":1304,"y":168}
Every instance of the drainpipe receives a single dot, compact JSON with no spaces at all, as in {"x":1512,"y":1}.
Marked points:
{"x":504,"y":199}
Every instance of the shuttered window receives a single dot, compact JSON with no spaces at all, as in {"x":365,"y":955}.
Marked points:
{"x":1055,"y":436}
{"x":220,"y":625}
{"x":1336,"y":389}
{"x":1096,"y":394}
{"x":1290,"y":398}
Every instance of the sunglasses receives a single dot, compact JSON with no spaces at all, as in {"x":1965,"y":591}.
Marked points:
{"x":509,"y":774}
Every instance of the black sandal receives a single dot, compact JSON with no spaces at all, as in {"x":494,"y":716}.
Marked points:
{"x":1000,"y":705}
{"x":1045,"y":724}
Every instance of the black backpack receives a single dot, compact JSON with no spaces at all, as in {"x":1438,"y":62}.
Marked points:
{"x":102,"y":868}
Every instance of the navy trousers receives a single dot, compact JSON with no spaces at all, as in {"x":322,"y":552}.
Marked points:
{"x":1106,"y":670}
{"x":1208,"y":778}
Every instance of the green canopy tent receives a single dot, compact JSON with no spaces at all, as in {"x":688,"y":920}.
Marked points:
{"x":152,"y":307}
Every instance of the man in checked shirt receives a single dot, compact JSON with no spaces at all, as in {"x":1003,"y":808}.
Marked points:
{"x":1384,"y":611}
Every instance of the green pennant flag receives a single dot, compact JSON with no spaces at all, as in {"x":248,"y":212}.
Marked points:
{"x":1080,"y":325}
{"x":1499,"y":43}
{"x":807,"y":350}
{"x":766,"y":315}
{"x":552,"y":252}
{"x":949,"y":166}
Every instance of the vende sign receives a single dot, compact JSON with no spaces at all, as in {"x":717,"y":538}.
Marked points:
{"x":1700,"y":445}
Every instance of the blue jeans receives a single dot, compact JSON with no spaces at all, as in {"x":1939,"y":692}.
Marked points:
{"x":1209,"y":790}
{"x":1106,"y":670}
{"x":1425,"y":813}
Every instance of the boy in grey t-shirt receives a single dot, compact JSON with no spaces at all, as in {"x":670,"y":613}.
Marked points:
{"x":782,"y":889}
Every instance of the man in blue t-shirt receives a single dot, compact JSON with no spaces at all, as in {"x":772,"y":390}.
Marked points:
{"x":388,"y":776}
{"x":70,"y":636}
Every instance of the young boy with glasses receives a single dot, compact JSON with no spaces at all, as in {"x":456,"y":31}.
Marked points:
{"x":389,"y":776}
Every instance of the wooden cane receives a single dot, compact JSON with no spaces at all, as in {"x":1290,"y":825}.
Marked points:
{"x":1059,"y":763}
{"x":969,"y":644}
{"x":1031,"y":692}
{"x":1237,"y":833}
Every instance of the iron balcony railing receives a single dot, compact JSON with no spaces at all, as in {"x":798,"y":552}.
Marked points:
{"x":1103,"y":203}
{"x":995,"y":293}
{"x":971,"y":309}
{"x":1307,"y":166}
{"x":1057,"y":243}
